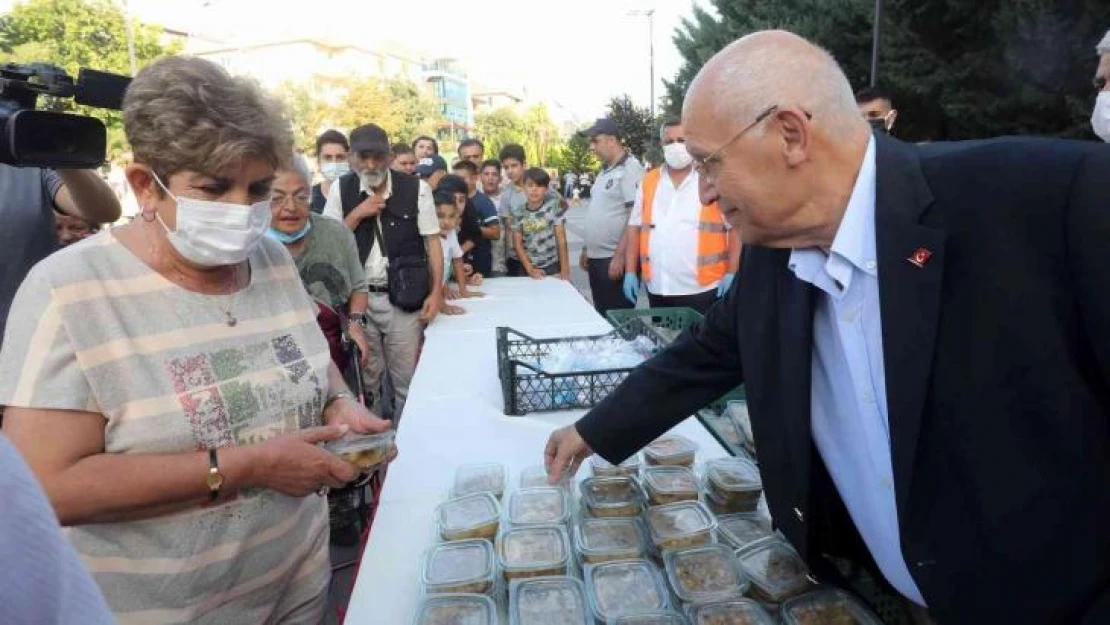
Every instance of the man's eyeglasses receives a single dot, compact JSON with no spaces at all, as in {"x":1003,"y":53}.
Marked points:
{"x":705,"y":165}
{"x":299,"y":200}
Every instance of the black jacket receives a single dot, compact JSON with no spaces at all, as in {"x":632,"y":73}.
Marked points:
{"x":997,"y":355}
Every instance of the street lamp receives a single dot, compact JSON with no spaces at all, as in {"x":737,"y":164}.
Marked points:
{"x":875,"y":32}
{"x":130,"y":37}
{"x":650,"y":14}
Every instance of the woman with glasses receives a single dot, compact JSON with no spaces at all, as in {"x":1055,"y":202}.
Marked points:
{"x":166,"y":380}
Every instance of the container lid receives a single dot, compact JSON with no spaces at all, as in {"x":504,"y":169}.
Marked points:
{"x":599,"y":492}
{"x":547,"y":601}
{"x":774,"y":567}
{"x":632,"y":462}
{"x":353,"y":443}
{"x":536,"y":475}
{"x":655,"y":617}
{"x":625,"y":586}
{"x":533,"y":547}
{"x":456,"y":610}
{"x":744,"y":528}
{"x":676,"y":520}
{"x":609,"y":535}
{"x":479,"y":478}
{"x":705,"y":574}
{"x":670,"y":480}
{"x":734,"y":474}
{"x":538,"y":506}
{"x":458,"y":563}
{"x":670,"y":446}
{"x":733,"y":611}
{"x":827,"y":605}
{"x":468,"y":512}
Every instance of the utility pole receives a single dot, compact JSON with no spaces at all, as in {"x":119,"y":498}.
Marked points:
{"x":875,"y":32}
{"x":650,"y":14}
{"x":130,"y":37}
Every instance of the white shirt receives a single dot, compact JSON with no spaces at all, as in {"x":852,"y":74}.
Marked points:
{"x":426,"y":221}
{"x":673,"y":242}
{"x":848,"y":392}
{"x":451,"y":251}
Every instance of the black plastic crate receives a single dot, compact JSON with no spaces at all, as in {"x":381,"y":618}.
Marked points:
{"x":526,"y":388}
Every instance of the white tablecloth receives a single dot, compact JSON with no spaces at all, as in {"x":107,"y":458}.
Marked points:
{"x":454,"y":416}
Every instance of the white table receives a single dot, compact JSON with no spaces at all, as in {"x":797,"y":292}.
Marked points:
{"x":454,"y":416}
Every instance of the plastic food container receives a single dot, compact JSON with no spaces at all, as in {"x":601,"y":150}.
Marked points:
{"x":536,"y":475}
{"x":466,"y":566}
{"x":627,"y":586}
{"x":602,"y":468}
{"x":456,"y":610}
{"x":473,"y":516}
{"x":665,"y":485}
{"x":656,"y":617}
{"x":705,"y":574}
{"x":680,"y":525}
{"x":671,"y":450}
{"x":603,"y":540}
{"x":542,"y":505}
{"x":363,"y":451}
{"x":548,"y":601}
{"x":612,"y":497}
{"x":827,"y":607}
{"x":776,"y":571}
{"x":533,"y":551}
{"x":737,"y":412}
{"x":731,"y":612}
{"x":743,"y":528}
{"x":479,"y":478}
{"x":734,"y":482}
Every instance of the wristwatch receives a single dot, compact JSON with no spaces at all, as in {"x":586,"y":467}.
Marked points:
{"x":214,"y":479}
{"x":359,"y":318}
{"x":332,"y":398}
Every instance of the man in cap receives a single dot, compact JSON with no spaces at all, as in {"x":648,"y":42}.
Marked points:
{"x":923,"y":333}
{"x":611,"y":200}
{"x":431,"y":169}
{"x":379,"y":204}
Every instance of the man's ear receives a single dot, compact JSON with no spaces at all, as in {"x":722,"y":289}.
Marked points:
{"x":795,"y":129}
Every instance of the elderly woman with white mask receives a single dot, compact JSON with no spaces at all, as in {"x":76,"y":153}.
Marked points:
{"x":167,"y":382}
{"x":1100,"y":118}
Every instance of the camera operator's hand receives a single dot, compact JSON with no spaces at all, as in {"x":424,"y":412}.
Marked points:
{"x":84,"y":194}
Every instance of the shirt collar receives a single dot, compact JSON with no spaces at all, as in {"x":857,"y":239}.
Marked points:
{"x":691,"y":178}
{"x":620,"y":161}
{"x":388,"y":185}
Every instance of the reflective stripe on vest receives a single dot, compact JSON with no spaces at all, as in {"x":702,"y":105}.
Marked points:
{"x":713,"y":252}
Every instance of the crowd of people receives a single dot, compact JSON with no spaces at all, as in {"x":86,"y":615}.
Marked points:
{"x":166,"y":382}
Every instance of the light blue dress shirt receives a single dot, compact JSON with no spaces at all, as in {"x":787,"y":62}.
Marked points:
{"x":848,"y":392}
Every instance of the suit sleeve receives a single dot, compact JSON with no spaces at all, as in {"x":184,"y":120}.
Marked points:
{"x":699,"y":367}
{"x":1088,"y":231}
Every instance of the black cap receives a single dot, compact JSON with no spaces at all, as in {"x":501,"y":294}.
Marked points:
{"x":370,"y":138}
{"x":603,"y":126}
{"x":453,"y":184}
{"x":430,"y":165}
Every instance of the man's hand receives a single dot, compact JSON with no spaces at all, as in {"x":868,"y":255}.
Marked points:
{"x":631,"y":287}
{"x":536,"y":274}
{"x":431,"y":308}
{"x":616,"y":267}
{"x":453,"y":311}
{"x":583,"y":261}
{"x":358,"y":335}
{"x":370,"y":207}
{"x":564,"y":453}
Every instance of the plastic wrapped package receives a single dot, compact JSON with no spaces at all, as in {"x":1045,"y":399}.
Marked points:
{"x":466,"y":566}
{"x":548,"y":601}
{"x":533,"y":551}
{"x":734,"y":483}
{"x":541,"y":505}
{"x":743,"y":528}
{"x":731,"y":612}
{"x":667,"y":484}
{"x":625,"y":586}
{"x":612,"y":497}
{"x":456,"y":609}
{"x":776,"y":571}
{"x":671,"y":450}
{"x":603,"y":540}
{"x":655,"y":617}
{"x":705,"y":574}
{"x":680,"y":525}
{"x":827,"y":607}
{"x":473,"y":516}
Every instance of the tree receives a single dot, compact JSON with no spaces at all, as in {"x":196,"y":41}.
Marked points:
{"x":576,"y":156}
{"x":419,"y":113}
{"x":76,"y":33}
{"x":635,"y":123}
{"x":306,"y":112}
{"x":957,"y":68}
{"x":534,"y":130}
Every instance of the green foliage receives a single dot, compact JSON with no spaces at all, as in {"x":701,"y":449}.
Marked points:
{"x":73,"y":34}
{"x":957,"y":68}
{"x":534,"y":130}
{"x":637,"y":127}
{"x":418,"y":111}
{"x":576,"y":156}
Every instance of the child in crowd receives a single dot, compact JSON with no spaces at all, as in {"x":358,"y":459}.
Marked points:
{"x":447,"y":209}
{"x":539,"y":236}
{"x":514,"y":165}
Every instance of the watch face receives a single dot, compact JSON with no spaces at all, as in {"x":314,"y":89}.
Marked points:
{"x":214,"y":480}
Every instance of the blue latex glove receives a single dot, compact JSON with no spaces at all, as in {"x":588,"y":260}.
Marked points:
{"x":631,"y":287}
{"x":725,"y":285}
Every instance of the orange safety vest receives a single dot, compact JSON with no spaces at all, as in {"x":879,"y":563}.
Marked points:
{"x":712,"y":235}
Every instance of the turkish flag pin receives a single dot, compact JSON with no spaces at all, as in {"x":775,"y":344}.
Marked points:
{"x":919,"y":257}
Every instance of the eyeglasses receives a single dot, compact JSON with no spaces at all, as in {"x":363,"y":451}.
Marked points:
{"x":704,"y":165}
{"x":300,"y":200}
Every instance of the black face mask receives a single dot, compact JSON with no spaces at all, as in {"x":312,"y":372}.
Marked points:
{"x":878,"y":125}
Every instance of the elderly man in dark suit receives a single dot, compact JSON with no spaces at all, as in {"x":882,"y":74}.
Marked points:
{"x":924,"y":335}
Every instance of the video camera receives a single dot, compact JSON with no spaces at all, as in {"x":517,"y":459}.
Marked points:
{"x":33,"y":138}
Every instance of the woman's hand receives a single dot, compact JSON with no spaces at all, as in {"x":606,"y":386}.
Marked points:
{"x":349,"y":413}
{"x":536,"y":273}
{"x":453,"y":310}
{"x":358,"y":335}
{"x":292,"y":464}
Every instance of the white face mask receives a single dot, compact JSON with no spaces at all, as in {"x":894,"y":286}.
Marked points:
{"x":677,"y":156}
{"x":214,"y":234}
{"x":332,"y":171}
{"x":1100,"y":119}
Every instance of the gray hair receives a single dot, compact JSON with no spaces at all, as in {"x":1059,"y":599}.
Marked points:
{"x":1103,"y":46}
{"x":299,"y":166}
{"x":778,"y":68}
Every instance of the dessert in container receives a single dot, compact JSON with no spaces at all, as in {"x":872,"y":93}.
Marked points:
{"x":827,"y":607}
{"x":680,"y":525}
{"x":473,"y":516}
{"x":733,"y":483}
{"x":363,"y":451}
{"x":479,"y":478}
{"x":776,"y":571}
{"x":625,"y":586}
{"x":705,"y":574}
{"x":536,"y":475}
{"x":671,"y":450}
{"x":743,"y":528}
{"x":605,"y":539}
{"x":533,"y":551}
{"x":548,"y":601}
{"x":602,"y":468}
{"x":731,"y":612}
{"x":669,"y":484}
{"x":612,"y":497}
{"x":655,"y":617}
{"x":461,"y":567}
{"x":456,"y":609}
{"x":540,"y":505}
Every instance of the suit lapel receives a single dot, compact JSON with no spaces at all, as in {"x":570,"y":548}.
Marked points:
{"x":909,"y":298}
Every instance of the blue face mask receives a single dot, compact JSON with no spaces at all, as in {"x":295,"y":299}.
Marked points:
{"x":288,"y":239}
